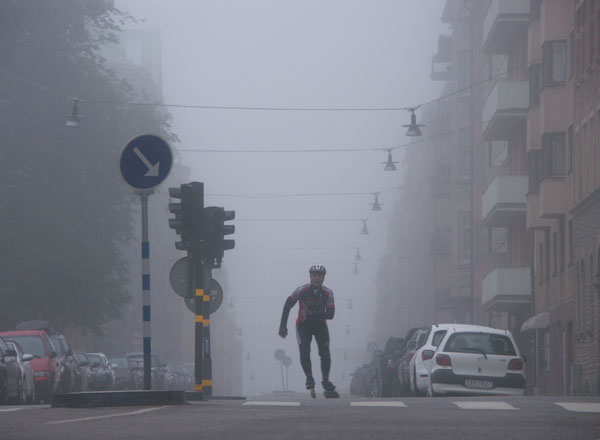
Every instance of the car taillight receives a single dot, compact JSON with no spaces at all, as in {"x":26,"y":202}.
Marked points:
{"x":515,"y":364}
{"x":426,"y":354}
{"x":443,"y":360}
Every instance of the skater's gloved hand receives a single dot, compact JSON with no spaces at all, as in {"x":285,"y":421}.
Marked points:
{"x":283,"y":331}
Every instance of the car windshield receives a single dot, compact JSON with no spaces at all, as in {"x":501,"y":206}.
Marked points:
{"x":480,"y":342}
{"x":30,"y":344}
{"x":120,"y":362}
{"x":95,"y":358}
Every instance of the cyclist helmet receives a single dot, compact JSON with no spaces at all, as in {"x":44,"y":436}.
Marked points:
{"x":317,"y":268}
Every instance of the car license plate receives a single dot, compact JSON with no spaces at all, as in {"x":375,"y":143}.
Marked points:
{"x":477,"y":383}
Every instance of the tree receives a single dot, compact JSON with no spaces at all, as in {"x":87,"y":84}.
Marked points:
{"x":65,"y":213}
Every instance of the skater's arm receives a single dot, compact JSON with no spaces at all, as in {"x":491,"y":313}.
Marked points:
{"x":327,"y":314}
{"x":289,"y":303}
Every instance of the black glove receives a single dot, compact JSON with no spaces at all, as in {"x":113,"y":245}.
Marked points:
{"x":283,"y":331}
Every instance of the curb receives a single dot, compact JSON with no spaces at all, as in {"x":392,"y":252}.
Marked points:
{"x":95,"y":399}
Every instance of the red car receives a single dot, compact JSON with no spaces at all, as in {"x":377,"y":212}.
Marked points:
{"x":46,"y":371}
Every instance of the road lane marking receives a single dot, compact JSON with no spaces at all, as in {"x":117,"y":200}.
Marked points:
{"x":266,"y":403}
{"x":580,"y":407}
{"x":485,"y":405}
{"x":379,"y":403}
{"x":10,"y":409}
{"x":131,"y":413}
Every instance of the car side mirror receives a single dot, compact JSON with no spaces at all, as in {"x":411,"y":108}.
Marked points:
{"x":27,"y":357}
{"x":53,"y":354}
{"x":11,"y":352}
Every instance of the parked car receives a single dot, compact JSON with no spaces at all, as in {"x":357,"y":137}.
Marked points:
{"x":125,"y":374}
{"x":28,"y":388}
{"x":82,"y":372}
{"x":158,"y":371}
{"x":67,"y":362}
{"x":477,"y":360}
{"x":102,"y":373}
{"x":46,"y":370}
{"x":419,"y":363}
{"x":415,"y":338}
{"x":388,"y":367}
{"x":11,"y":382}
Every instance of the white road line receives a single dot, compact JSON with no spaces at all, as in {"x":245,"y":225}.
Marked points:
{"x":580,"y":407}
{"x":485,"y":405}
{"x":267,"y":403}
{"x":131,"y":413}
{"x":379,"y":403}
{"x":10,"y":409}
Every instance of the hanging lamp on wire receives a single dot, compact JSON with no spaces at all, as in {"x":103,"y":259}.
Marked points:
{"x":355,"y":271}
{"x":74,"y":119}
{"x":364,"y":231}
{"x":413,"y":127}
{"x":357,"y":257}
{"x":347,"y":329}
{"x":389,"y":165}
{"x":350,"y":305}
{"x":376,"y":206}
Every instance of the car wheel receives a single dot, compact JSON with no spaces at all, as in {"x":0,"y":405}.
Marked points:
{"x":31,"y":397}
{"x":375,"y":387}
{"x":4,"y":391}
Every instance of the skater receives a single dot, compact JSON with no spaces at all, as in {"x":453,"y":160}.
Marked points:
{"x":316,"y":305}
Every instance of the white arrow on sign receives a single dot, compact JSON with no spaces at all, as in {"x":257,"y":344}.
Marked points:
{"x":152,"y":169}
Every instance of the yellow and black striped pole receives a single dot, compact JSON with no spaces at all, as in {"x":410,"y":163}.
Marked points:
{"x":207,"y":361}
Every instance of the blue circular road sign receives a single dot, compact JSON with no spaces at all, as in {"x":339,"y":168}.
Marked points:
{"x":146,"y":161}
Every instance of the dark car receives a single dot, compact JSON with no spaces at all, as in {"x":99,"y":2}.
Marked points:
{"x":102,"y":373}
{"x":158,"y":371}
{"x":388,"y":367}
{"x":46,"y":370}
{"x":82,"y":372}
{"x":125,"y":373}
{"x":68,"y":364}
{"x":11,"y":380}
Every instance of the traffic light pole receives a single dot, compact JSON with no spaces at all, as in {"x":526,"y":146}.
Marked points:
{"x":198,"y":286}
{"x":207,"y":361}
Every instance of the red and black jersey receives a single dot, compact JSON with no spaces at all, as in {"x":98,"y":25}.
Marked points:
{"x":312,"y":302}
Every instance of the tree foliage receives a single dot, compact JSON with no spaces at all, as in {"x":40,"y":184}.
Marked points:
{"x":65,"y":214}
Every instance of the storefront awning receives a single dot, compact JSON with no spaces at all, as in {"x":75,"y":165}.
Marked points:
{"x":539,"y":321}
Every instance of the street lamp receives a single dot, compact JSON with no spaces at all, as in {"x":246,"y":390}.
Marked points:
{"x":376,"y":206}
{"x":389,"y":165}
{"x":413,"y":127}
{"x":364,"y":231}
{"x":357,"y":256}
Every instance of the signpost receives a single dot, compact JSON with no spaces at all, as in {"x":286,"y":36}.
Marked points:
{"x":146,"y":162}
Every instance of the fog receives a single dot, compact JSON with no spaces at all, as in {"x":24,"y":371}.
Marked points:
{"x":294,"y":209}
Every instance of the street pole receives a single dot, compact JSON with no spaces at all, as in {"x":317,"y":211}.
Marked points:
{"x":196,"y":263}
{"x":146,"y":324}
{"x":207,"y":367}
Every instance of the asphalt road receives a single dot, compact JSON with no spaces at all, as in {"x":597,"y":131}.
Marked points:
{"x":297,"y":416}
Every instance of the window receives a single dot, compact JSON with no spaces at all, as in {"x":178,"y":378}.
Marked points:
{"x":535,"y":170}
{"x":570,"y":233}
{"x":547,"y":254}
{"x":497,"y":240}
{"x":561,"y":244}
{"x":464,"y":152}
{"x":553,"y":145}
{"x":570,"y":148}
{"x":498,"y":153}
{"x":464,"y":238}
{"x":554,"y":253}
{"x":535,"y":84}
{"x":554,"y":62}
{"x":540,"y":263}
{"x":535,"y":9}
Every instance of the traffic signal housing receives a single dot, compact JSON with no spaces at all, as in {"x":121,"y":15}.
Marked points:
{"x":188,"y":214}
{"x":215,"y":231}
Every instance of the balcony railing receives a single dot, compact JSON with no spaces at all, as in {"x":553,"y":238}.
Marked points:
{"x":505,"y":107}
{"x":505,"y":288}
{"x":503,"y":22}
{"x":504,"y":199}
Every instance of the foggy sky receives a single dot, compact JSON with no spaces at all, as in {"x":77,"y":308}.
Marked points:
{"x":317,"y":54}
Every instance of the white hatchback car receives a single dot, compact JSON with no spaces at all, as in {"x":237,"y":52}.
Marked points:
{"x":419,"y":364}
{"x":477,"y":360}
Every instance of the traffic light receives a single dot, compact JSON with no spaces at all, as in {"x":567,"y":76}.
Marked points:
{"x":215,"y":230}
{"x":188,"y":214}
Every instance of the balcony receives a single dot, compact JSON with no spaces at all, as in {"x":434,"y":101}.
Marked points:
{"x":552,"y":198}
{"x":441,"y":62}
{"x":506,"y":288}
{"x":504,"y":109}
{"x":504,"y":199}
{"x":504,"y":21}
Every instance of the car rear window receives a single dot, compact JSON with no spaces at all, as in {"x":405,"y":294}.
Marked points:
{"x":487,"y":343}
{"x":30,"y":344}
